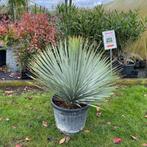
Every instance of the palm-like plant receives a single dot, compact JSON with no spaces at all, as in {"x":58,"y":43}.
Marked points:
{"x":74,"y":71}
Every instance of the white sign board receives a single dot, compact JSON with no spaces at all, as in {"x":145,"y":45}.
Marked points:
{"x":109,"y":39}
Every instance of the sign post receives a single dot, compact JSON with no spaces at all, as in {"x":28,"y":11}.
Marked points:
{"x":109,"y":40}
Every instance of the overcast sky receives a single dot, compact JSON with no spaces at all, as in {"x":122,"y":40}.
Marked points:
{"x":79,"y":3}
{"x":53,"y":3}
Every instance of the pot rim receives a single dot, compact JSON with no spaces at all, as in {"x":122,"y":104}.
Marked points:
{"x":68,"y":110}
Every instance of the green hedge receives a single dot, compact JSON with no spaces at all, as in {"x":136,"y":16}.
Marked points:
{"x":90,"y":23}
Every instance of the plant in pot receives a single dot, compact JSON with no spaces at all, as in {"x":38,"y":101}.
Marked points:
{"x":31,"y":34}
{"x":128,"y":62}
{"x":78,"y":76}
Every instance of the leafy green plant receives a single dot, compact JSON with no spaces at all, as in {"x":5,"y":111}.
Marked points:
{"x":127,"y":25}
{"x":90,"y":23}
{"x":74,"y":71}
{"x":17,"y":7}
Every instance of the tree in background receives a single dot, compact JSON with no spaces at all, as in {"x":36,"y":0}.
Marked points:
{"x":16,"y":7}
{"x":70,"y":2}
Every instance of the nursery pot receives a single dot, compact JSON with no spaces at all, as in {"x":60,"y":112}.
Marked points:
{"x":25,"y":75}
{"x":69,"y":121}
{"x":129,"y":71}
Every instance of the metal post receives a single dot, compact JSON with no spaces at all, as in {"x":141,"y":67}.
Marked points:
{"x":111,"y":58}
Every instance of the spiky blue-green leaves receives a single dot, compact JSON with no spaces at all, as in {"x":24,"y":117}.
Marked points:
{"x":74,"y":71}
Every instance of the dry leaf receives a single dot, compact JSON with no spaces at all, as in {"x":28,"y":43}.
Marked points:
{"x":27,"y":139}
{"x":117,"y":140}
{"x":62,"y":140}
{"x":98,"y":109}
{"x":67,"y":139}
{"x":9,"y":93}
{"x":12,"y":75}
{"x":98,"y":114}
{"x":14,"y":127}
{"x":45,"y":124}
{"x":134,"y":137}
{"x":26,"y":88}
{"x":145,"y":116}
{"x":86,"y":131}
{"x":29,"y":97}
{"x":108,"y":123}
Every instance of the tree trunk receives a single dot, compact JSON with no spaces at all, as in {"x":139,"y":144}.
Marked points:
{"x":70,"y":2}
{"x":66,"y":2}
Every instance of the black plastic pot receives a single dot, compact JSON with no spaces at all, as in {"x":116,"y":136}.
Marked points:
{"x":69,"y":121}
{"x":128,"y":71}
{"x":25,"y":75}
{"x":140,"y":64}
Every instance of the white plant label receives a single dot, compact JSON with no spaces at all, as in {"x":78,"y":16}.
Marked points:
{"x":109,"y":39}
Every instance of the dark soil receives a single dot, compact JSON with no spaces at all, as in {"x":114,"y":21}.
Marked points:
{"x":4,"y":75}
{"x":59,"y":102}
{"x":19,"y":90}
{"x":10,"y":76}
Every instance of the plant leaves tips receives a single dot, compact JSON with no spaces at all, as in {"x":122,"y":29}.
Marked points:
{"x":74,"y":71}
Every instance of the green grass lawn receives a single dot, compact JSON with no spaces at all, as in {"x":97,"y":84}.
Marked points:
{"x":21,"y":118}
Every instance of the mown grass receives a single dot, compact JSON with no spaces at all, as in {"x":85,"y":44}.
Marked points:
{"x":21,"y":117}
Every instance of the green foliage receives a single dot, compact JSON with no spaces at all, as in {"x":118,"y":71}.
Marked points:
{"x":17,"y":7}
{"x":35,"y":9}
{"x":90,"y":23}
{"x":128,"y":26}
{"x":74,"y":71}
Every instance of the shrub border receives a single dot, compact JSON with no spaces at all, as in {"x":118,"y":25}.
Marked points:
{"x":16,"y":83}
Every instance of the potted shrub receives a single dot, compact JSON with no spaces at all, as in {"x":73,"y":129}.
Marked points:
{"x":127,"y":62}
{"x":32,"y":32}
{"x":78,"y":76}
{"x":26,"y":36}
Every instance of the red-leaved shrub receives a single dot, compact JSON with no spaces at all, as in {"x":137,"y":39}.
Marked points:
{"x":37,"y":29}
{"x":28,"y":35}
{"x":4,"y":28}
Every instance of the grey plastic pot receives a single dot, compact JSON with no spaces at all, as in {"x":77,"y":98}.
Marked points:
{"x":70,"y":121}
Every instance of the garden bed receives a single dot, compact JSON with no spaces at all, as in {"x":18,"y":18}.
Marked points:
{"x":27,"y":120}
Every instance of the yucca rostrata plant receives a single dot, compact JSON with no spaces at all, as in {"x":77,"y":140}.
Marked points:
{"x":78,"y":76}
